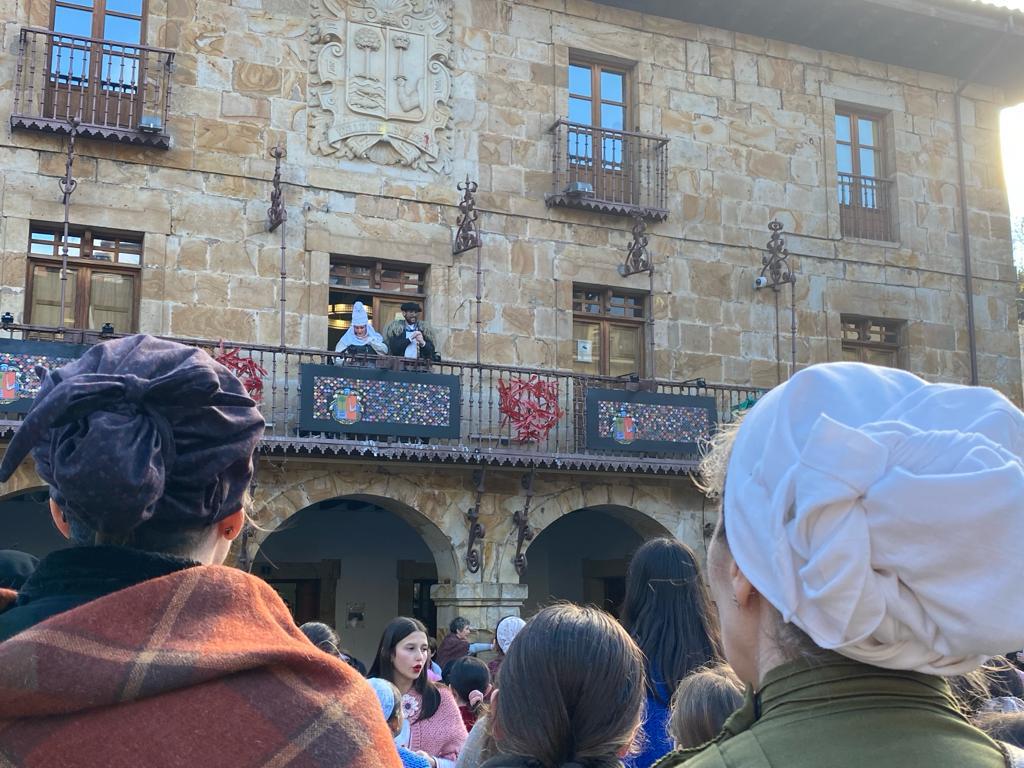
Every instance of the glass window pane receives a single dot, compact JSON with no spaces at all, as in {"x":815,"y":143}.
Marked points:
{"x":611,"y":153}
{"x":579,"y":80}
{"x":866,"y":132}
{"x":46,"y":296}
{"x":44,"y":249}
{"x":842,"y":127}
{"x":580,"y":111}
{"x":111,"y":298}
{"x":580,"y":147}
{"x":72,"y":21}
{"x":886,"y":357}
{"x":586,"y":353}
{"x":867,"y":163}
{"x":120,"y":73}
{"x":613,"y":116}
{"x":844,"y":158}
{"x":612,"y":85}
{"x":69,"y":58}
{"x":122,"y":30}
{"x":125,"y":6}
{"x":623,"y":350}
{"x":48,"y":236}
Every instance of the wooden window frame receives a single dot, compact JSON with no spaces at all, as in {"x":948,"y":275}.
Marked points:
{"x":98,"y":96}
{"x":893,"y":328}
{"x":596,"y":64}
{"x":605,"y":319}
{"x":85,"y":265}
{"x":878,"y":118}
{"x":100,"y":13}
{"x":873,"y":222}
{"x":377,"y":292}
{"x":611,"y":179}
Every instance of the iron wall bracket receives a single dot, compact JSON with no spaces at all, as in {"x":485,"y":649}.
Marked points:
{"x":521,"y":520}
{"x":474,"y":553}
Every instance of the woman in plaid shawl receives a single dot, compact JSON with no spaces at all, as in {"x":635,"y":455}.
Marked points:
{"x":136,"y":647}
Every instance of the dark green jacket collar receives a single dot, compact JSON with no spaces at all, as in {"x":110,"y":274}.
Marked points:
{"x":809,"y":706}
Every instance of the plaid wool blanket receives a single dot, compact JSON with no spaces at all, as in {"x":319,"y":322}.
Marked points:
{"x":201,"y":668}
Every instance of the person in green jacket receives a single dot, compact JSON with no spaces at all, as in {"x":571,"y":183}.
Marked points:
{"x":867,"y":549}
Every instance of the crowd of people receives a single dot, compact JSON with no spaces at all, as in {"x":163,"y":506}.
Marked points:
{"x":858,"y":604}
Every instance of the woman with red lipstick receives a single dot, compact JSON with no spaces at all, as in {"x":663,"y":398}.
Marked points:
{"x":435,"y":725}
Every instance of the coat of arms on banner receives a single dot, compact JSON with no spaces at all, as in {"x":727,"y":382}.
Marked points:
{"x":382,"y":81}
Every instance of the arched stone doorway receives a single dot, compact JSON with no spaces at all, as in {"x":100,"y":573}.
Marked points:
{"x":355,"y":562}
{"x":26,"y":525}
{"x":583,"y":556}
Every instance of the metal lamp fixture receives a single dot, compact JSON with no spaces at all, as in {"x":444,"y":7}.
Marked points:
{"x":6,"y":319}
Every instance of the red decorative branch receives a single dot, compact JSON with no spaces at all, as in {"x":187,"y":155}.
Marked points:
{"x":530,"y":405}
{"x":246,"y":369}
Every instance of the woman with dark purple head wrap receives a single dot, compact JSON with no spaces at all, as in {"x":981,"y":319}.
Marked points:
{"x":138,"y":635}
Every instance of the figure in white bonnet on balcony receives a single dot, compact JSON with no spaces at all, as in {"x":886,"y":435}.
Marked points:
{"x":361,"y":338}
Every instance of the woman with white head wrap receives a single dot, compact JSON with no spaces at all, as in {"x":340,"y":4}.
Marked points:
{"x":361,"y":338}
{"x":868,"y":548}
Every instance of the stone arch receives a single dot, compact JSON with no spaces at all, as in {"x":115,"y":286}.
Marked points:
{"x":649,"y":510}
{"x":279,"y":498}
{"x":583,"y":556}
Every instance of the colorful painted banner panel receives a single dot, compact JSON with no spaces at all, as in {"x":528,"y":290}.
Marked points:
{"x":373,"y":401}
{"x":645,"y":422}
{"x":18,"y":360}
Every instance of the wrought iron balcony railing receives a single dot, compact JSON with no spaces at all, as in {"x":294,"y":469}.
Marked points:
{"x":116,"y":91}
{"x":618,"y":172}
{"x":866,"y":207}
{"x":502,"y":415}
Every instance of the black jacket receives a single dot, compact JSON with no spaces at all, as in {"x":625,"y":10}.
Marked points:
{"x":397,"y":344}
{"x":68,"y":578}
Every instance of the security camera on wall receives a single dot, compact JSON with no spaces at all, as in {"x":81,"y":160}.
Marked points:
{"x":760,"y":282}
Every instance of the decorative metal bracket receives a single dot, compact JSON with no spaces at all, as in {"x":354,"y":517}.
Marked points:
{"x":474,"y":557}
{"x":276,"y":213}
{"x":467,"y":236}
{"x":521,"y":520}
{"x":67,"y":184}
{"x":775,"y":271}
{"x":638,"y":258}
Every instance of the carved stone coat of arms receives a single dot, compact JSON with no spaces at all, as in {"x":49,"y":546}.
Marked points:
{"x":382,"y":81}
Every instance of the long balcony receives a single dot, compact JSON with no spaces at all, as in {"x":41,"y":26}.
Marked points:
{"x":319,"y":405}
{"x":866,"y":207}
{"x":115,"y":91}
{"x":618,"y":172}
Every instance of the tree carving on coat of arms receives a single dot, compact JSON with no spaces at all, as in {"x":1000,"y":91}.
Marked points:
{"x":381,"y":85}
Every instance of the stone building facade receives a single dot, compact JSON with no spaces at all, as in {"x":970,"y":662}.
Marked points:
{"x":383,"y":106}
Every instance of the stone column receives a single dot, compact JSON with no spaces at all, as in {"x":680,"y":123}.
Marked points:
{"x":483,"y":604}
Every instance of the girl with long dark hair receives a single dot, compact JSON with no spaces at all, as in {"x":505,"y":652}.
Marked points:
{"x":572,"y":693}
{"x":666,"y":611}
{"x":435,"y":727}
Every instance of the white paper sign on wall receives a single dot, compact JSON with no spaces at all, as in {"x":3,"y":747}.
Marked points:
{"x":584,"y":351}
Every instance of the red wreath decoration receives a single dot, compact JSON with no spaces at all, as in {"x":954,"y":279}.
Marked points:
{"x":530,"y":405}
{"x":246,"y":369}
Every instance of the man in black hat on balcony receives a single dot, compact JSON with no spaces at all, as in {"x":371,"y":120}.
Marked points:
{"x":410,"y":338}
